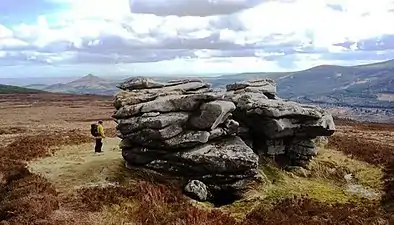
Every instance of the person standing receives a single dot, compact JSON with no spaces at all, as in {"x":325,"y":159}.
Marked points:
{"x":100,"y":136}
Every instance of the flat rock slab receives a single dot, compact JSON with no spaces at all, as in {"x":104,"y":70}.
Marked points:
{"x":148,"y":135}
{"x":190,"y":86}
{"x":170,"y":103}
{"x":155,"y":121}
{"x":124,"y":98}
{"x":260,"y":86}
{"x":228,"y":155}
{"x":273,"y":128}
{"x":161,"y":139}
{"x":279,"y":108}
{"x":140,"y":83}
{"x":212,"y":114}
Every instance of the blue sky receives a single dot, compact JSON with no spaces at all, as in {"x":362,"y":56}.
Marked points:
{"x":127,"y":37}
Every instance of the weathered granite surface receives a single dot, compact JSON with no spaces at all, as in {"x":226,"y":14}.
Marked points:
{"x":213,"y":140}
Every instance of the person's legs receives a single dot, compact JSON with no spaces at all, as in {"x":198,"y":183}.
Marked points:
{"x":101,"y":145}
{"x":98,"y":146}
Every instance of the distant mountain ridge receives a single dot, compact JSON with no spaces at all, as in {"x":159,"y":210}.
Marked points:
{"x":370,"y":85}
{"x":358,"y":86}
{"x":340,"y":84}
{"x":88,"y":84}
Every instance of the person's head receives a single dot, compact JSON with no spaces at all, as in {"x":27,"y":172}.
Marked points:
{"x":100,"y":122}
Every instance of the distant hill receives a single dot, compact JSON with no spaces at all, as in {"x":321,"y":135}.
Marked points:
{"x":89,"y":84}
{"x":10,"y":89}
{"x":370,"y":85}
{"x":357,"y":86}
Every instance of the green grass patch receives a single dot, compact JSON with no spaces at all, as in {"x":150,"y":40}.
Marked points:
{"x":324,"y":182}
{"x":332,"y":164}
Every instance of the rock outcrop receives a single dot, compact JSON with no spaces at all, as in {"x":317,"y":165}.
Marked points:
{"x":213,"y":140}
{"x":184,"y":129}
{"x":273,"y":126}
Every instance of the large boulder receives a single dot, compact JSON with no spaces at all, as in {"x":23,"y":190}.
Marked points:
{"x":279,"y":127}
{"x":182,"y":128}
{"x":212,"y":140}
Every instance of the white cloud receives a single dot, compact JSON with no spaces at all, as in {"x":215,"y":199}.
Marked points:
{"x":313,"y":21}
{"x":11,"y":43}
{"x":5,"y":32}
{"x":275,"y":35}
{"x":191,"y":7}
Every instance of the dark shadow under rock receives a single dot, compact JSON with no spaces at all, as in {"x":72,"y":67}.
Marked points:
{"x":224,"y":197}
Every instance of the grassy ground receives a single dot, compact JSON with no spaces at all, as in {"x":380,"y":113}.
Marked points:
{"x":72,"y":168}
{"x":54,"y":177}
{"x":324,"y":182}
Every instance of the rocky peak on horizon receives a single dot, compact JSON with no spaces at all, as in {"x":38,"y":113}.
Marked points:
{"x":88,"y":79}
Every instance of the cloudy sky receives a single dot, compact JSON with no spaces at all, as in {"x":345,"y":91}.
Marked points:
{"x":75,"y":37}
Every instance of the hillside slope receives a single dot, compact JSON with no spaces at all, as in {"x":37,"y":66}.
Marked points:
{"x":355,"y":86}
{"x":370,"y":85}
{"x":86,"y":85}
{"x":10,"y":89}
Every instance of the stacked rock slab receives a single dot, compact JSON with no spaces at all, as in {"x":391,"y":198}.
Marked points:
{"x":184,"y":129}
{"x":272,"y":126}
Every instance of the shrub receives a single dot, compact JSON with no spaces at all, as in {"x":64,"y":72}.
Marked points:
{"x":361,"y":149}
